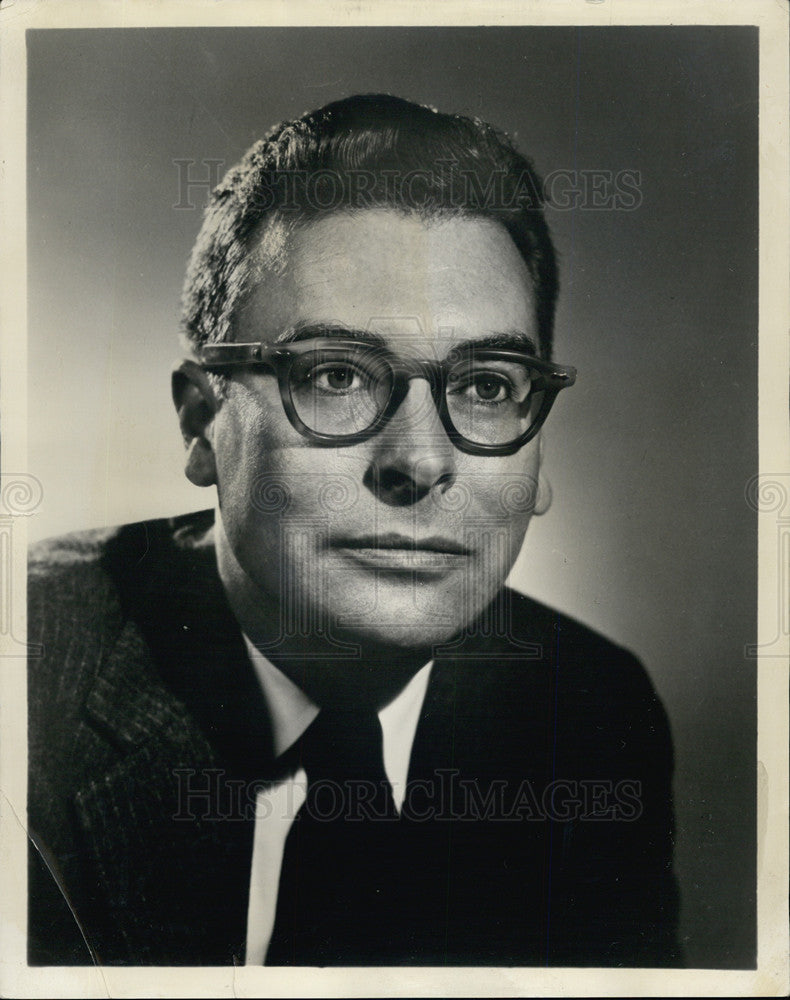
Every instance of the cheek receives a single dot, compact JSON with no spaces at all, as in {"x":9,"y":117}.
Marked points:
{"x":240,"y":459}
{"x":250,"y":434}
{"x":270,"y":477}
{"x":508,"y":493}
{"x":496,"y":492}
{"x":243,"y":437}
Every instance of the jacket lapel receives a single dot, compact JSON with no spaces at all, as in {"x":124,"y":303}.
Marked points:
{"x":168,"y":826}
{"x":482,"y":748}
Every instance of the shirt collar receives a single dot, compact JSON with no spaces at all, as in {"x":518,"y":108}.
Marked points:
{"x":292,"y":711}
{"x":290,"y":708}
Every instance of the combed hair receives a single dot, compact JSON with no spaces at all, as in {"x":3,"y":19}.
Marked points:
{"x":365,"y":151}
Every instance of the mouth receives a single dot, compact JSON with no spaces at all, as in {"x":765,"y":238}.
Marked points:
{"x":396,"y":552}
{"x":394,"y":542}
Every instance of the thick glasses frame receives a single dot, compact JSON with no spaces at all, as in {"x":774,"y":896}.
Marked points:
{"x":279,"y":358}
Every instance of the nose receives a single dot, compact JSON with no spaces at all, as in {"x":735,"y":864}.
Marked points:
{"x":412,"y":455}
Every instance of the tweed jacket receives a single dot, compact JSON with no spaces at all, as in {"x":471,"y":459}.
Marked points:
{"x":542,"y":750}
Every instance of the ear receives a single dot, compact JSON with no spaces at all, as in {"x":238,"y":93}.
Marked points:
{"x":196,"y":405}
{"x":544,"y":493}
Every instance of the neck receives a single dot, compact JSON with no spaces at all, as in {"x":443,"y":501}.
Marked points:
{"x":343,"y":672}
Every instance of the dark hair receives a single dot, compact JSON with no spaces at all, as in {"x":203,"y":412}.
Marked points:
{"x":365,"y":151}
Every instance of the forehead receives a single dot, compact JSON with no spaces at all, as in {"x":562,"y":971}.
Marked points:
{"x":396,"y":274}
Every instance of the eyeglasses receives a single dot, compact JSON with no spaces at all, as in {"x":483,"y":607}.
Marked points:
{"x":490,"y":400}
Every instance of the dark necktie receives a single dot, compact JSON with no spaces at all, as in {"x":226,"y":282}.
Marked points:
{"x":338,"y":879}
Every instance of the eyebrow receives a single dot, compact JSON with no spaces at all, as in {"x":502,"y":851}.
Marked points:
{"x":513,"y":339}
{"x":310,"y":331}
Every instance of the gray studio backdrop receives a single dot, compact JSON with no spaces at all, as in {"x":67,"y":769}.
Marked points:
{"x":650,"y":538}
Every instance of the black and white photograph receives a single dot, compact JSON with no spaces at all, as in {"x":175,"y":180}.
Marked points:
{"x":401,"y":459}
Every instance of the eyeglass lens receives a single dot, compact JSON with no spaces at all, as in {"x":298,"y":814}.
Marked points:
{"x":489,"y":400}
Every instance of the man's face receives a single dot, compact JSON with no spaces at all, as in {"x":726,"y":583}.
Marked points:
{"x":400,"y":539}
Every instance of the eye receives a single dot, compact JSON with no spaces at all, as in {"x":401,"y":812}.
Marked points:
{"x":491,"y":388}
{"x":481,"y":387}
{"x":341,"y":377}
{"x":337,"y":378}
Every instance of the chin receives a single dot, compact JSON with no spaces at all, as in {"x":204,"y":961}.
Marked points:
{"x":407,"y":639}
{"x":416,"y":622}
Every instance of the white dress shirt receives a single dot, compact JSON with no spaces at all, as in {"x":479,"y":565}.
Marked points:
{"x":291,"y":713}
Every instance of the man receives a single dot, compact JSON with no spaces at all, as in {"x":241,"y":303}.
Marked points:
{"x":314,"y":727}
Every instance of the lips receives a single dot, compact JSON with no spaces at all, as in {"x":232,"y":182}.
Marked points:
{"x":394,"y":542}
{"x":394,"y":552}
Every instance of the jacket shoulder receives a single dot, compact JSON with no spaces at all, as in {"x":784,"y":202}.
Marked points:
{"x":79,"y":586}
{"x":583,"y":652}
{"x":531,"y":616}
{"x":96,"y":559}
{"x":601,"y":689}
{"x":96,"y":710}
{"x":70,"y":598}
